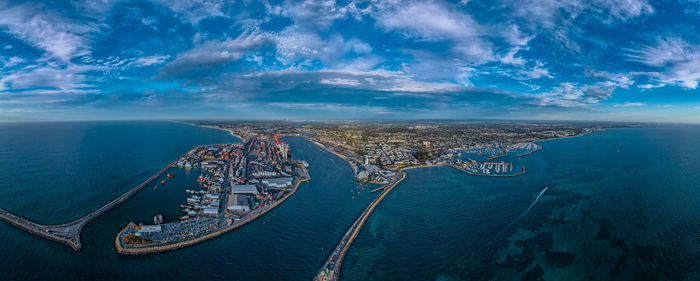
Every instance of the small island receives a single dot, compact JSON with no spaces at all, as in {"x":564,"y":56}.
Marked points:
{"x":239,"y":183}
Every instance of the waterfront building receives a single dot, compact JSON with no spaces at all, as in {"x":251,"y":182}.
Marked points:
{"x":278,"y":182}
{"x":210,"y":211}
{"x":147,"y":229}
{"x":238,"y":202}
{"x":244,"y":189}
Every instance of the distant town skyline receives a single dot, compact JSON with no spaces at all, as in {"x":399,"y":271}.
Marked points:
{"x":626,"y":60}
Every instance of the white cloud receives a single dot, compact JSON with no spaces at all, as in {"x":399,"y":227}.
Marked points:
{"x":429,"y":21}
{"x":561,"y":20}
{"x":678,"y":59}
{"x":296,"y":48}
{"x":49,"y":78}
{"x":150,"y":60}
{"x":624,"y":9}
{"x":313,"y":14}
{"x":212,"y":54}
{"x":340,"y":82}
{"x":376,"y":80}
{"x":195,"y":10}
{"x":630,"y":104}
{"x":538,"y":71}
{"x":59,"y":37}
{"x":12,"y":61}
{"x":650,"y":86}
{"x":572,"y":95}
{"x":432,"y":21}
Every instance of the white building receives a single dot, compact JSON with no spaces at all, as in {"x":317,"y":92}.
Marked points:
{"x":149,"y":229}
{"x":278,"y":182}
{"x":244,"y":189}
{"x":211,"y":211}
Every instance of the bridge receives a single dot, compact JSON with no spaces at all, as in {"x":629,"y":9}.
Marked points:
{"x":69,"y":233}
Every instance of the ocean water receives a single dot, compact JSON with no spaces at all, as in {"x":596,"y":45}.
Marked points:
{"x":622,"y":204}
{"x":56,"y":172}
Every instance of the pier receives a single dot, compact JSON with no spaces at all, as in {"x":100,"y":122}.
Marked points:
{"x":331,"y":268}
{"x":69,"y":233}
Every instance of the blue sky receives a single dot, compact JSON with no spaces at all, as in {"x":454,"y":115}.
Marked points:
{"x":628,"y":60}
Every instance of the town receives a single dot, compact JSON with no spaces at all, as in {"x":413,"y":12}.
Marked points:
{"x":376,"y":151}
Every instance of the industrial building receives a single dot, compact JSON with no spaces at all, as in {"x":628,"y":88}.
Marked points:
{"x":238,"y":202}
{"x":278,"y":182}
{"x":210,"y":211}
{"x":148,"y":229}
{"x":244,"y":189}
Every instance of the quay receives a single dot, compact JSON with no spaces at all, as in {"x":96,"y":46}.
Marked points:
{"x":331,"y":268}
{"x":208,"y":222}
{"x":489,"y":175}
{"x":162,"y":248}
{"x":69,"y":233}
{"x":530,"y":152}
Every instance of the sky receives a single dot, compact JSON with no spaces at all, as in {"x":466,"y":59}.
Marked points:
{"x":618,"y":60}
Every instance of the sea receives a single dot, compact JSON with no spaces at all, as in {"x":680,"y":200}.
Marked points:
{"x":618,"y":204}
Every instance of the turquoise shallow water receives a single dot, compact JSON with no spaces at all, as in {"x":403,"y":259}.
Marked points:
{"x":607,"y":215}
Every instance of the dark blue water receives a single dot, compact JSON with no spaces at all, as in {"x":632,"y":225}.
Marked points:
{"x":106,"y":159}
{"x":623,"y":204}
{"x":58,"y":172}
{"x":607,"y":215}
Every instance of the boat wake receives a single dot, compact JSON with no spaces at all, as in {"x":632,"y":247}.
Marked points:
{"x":528,"y":208}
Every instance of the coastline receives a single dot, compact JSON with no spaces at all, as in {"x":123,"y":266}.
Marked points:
{"x":178,"y":245}
{"x":223,"y":129}
{"x":561,"y":138}
{"x":322,"y":146}
{"x":210,"y":127}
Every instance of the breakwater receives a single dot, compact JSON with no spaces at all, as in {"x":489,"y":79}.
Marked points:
{"x":331,"y":268}
{"x":69,"y":233}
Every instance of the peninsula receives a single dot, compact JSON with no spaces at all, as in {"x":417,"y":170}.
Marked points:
{"x":239,"y":182}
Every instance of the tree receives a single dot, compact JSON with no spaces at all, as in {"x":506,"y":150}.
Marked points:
{"x":422,"y":155}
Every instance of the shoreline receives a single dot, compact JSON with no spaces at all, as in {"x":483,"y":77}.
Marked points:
{"x":182,"y":244}
{"x":222,"y":129}
{"x":322,"y":146}
{"x":561,"y":138}
{"x":169,"y":247}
